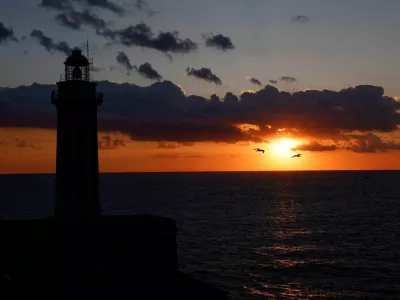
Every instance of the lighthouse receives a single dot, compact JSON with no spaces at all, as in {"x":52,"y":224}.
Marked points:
{"x":79,"y":253}
{"x":77,"y":167}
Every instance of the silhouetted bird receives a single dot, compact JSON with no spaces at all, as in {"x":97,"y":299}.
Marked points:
{"x":259,"y":150}
{"x":296,"y":155}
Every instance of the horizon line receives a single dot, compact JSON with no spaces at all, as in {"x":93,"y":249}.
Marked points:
{"x":241,"y":171}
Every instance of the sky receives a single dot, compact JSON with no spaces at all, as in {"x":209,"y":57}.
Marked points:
{"x":200,"y":84}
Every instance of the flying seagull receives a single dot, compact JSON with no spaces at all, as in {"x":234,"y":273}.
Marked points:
{"x":296,"y":155}
{"x":259,"y":150}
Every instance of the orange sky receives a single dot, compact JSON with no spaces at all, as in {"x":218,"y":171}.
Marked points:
{"x":33,"y":151}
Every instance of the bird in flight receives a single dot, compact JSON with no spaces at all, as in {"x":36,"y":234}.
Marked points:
{"x":296,"y":155}
{"x":259,"y":150}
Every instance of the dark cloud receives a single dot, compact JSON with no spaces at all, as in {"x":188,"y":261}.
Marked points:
{"x":147,"y":71}
{"x":359,"y":143}
{"x":124,"y":60}
{"x":273,"y":81}
{"x":315,"y":146}
{"x":162,"y":112}
{"x":105,"y":4}
{"x":141,"y":4}
{"x":254,"y":81}
{"x":145,"y":7}
{"x":6,"y":34}
{"x":66,"y":5}
{"x":288,"y":79}
{"x":301,"y":19}
{"x":69,"y":21}
{"x":108,"y":143}
{"x":204,"y":74}
{"x":369,"y":143}
{"x":141,"y":35}
{"x":75,"y":20}
{"x":219,"y":41}
{"x":61,"y":5}
{"x":49,"y":44}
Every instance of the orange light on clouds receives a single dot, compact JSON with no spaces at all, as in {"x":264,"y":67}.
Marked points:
{"x":247,"y":127}
{"x":30,"y":150}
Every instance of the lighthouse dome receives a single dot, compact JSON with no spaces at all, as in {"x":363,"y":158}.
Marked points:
{"x":76,"y":59}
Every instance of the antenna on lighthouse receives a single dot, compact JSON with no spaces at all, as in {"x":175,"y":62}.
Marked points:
{"x":87,"y":44}
{"x":91,"y":67}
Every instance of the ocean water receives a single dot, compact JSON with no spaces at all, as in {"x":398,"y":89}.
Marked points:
{"x":259,"y":235}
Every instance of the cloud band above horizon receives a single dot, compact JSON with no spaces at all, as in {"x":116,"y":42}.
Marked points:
{"x":162,"y":112}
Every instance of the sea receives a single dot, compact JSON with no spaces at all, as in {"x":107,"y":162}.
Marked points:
{"x":258,"y":235}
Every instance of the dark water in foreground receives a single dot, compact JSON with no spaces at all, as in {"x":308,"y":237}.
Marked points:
{"x":292,"y":235}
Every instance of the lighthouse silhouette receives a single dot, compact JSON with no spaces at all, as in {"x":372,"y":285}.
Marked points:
{"x":79,"y":253}
{"x":76,"y":99}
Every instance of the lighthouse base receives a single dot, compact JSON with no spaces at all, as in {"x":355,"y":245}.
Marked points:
{"x":120,"y":257}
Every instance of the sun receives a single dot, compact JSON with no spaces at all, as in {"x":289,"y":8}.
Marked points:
{"x":283,"y":147}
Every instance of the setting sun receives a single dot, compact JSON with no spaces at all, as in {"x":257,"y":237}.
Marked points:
{"x":283,"y":147}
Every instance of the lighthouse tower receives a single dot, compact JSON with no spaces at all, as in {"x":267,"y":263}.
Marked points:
{"x":76,"y":100}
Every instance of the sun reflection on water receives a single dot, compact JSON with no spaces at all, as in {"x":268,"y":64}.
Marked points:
{"x":288,"y":248}
{"x":296,"y":291}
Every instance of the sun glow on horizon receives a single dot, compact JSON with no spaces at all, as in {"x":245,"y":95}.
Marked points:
{"x":283,"y":147}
